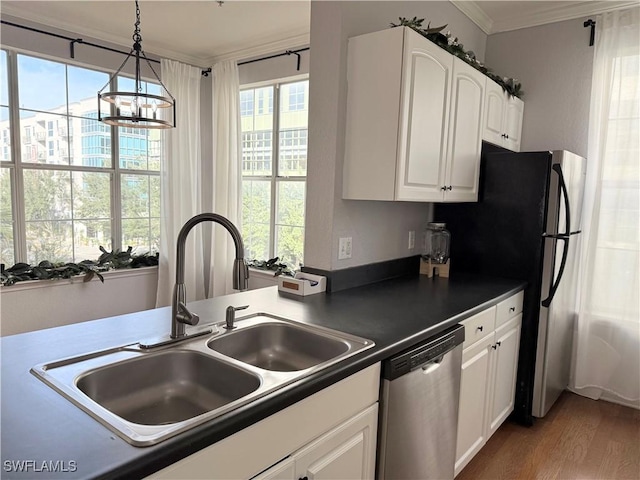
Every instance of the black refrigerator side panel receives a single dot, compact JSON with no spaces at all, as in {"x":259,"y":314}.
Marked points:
{"x":501,"y":235}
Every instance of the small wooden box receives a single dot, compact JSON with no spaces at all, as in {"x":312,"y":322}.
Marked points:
{"x":434,"y":269}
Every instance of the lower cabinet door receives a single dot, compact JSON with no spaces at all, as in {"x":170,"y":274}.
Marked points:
{"x":507,"y":345}
{"x":283,"y":470}
{"x":474,"y":384}
{"x":347,"y":452}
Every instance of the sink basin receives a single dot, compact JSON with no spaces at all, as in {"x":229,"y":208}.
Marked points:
{"x":166,"y":388}
{"x":279,"y":347}
{"x":148,"y":395}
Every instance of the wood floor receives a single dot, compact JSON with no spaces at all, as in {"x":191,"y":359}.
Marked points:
{"x":579,"y":439}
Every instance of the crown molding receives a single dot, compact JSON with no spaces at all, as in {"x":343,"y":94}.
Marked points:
{"x":560,"y":14}
{"x":292,"y":42}
{"x":475,"y":14}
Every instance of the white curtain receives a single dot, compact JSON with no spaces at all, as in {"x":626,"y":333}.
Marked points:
{"x":226,"y":174}
{"x":607,"y":348}
{"x":180,"y":183}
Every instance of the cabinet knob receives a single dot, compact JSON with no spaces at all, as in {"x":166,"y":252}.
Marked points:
{"x":498,"y":343}
{"x":479,"y":328}
{"x":495,"y":347}
{"x":512,"y":309}
{"x":449,"y":188}
{"x":506,"y":136}
{"x":443,"y":188}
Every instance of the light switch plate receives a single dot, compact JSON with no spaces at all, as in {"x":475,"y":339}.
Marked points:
{"x":344,"y":248}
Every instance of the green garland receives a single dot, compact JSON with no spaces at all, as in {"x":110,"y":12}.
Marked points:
{"x":272,"y":265}
{"x":454,"y":47}
{"x":45,"y":270}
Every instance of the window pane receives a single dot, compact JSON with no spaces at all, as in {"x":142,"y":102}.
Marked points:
{"x":5,"y":135}
{"x":136,"y":234}
{"x":134,"y":148}
{"x":33,"y":75}
{"x":94,"y":141}
{"x":91,"y":214}
{"x":256,"y":207}
{"x":49,"y":240}
{"x":83,"y":87}
{"x":89,"y":236}
{"x":135,"y":196}
{"x":6,"y":219}
{"x":294,"y":113}
{"x":257,"y":148}
{"x":290,"y":222}
{"x":4,"y":84}
{"x":44,"y":138}
{"x":293,"y":153}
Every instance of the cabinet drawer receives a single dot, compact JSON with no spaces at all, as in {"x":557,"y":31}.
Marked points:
{"x":509,"y":308}
{"x":478,"y":326}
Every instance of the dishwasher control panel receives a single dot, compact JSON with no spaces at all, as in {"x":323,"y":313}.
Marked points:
{"x":423,"y":353}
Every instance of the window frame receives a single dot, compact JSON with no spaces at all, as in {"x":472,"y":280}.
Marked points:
{"x":274,"y":178}
{"x":16,"y":167}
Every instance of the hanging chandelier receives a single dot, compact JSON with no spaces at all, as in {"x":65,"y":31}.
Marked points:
{"x":137,"y":109}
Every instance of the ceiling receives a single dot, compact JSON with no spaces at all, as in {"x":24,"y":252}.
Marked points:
{"x":202,"y":32}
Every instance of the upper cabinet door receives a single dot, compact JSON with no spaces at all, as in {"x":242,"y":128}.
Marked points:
{"x":513,"y":123}
{"x":424,"y":119}
{"x":465,"y":133}
{"x":494,"y":113}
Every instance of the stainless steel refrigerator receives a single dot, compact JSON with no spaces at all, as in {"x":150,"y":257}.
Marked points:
{"x":526,"y":225}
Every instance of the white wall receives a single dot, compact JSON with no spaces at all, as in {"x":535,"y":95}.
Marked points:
{"x":554,"y":63}
{"x":379,"y":229}
{"x":28,"y":306}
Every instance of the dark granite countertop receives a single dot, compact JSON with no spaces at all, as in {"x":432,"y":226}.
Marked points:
{"x":39,"y":425}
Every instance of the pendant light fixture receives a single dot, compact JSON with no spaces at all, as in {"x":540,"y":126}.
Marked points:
{"x":137,"y":109}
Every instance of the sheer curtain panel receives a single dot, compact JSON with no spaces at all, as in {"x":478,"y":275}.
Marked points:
{"x":607,"y":348}
{"x":180,"y":184}
{"x":226,"y":170}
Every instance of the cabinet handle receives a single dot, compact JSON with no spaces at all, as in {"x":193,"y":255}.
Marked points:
{"x":479,"y":328}
{"x":504,"y":135}
{"x":443,"y":188}
{"x":495,"y":347}
{"x":498,"y":343}
{"x":449,"y":188}
{"x":512,"y":309}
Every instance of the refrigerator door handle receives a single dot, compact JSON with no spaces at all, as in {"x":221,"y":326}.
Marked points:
{"x":562,"y":236}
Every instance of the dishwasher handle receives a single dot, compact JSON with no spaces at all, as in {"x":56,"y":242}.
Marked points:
{"x":432,"y":366}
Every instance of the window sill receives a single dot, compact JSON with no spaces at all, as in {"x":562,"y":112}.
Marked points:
{"x":108,"y":276}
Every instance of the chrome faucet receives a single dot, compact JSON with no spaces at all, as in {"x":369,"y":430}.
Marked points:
{"x":180,"y":314}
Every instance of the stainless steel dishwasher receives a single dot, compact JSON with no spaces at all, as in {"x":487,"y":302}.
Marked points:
{"x":419,"y":409}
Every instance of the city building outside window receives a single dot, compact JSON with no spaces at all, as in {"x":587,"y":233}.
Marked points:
{"x":274,"y":169}
{"x":69,"y":183}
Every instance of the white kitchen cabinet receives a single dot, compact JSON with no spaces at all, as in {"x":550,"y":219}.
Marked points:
{"x":414,"y":120}
{"x":337,"y":423}
{"x":465,"y":134}
{"x":502,"y":117}
{"x":505,"y":367}
{"x":347,"y":452}
{"x":488,"y":381}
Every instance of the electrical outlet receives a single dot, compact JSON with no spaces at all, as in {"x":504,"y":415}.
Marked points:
{"x":344,"y":248}
{"x":412,"y":239}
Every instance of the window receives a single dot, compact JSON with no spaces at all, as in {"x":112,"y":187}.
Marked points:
{"x":77,"y":183}
{"x":274,"y":169}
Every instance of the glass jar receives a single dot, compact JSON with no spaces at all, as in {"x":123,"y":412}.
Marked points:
{"x":436,"y":242}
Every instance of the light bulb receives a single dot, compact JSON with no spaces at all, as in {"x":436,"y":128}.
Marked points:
{"x":154,"y":108}
{"x":118,"y":105}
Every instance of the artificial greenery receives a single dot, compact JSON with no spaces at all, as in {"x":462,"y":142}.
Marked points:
{"x":453,"y":46}
{"x":46,"y":270}
{"x":272,"y":265}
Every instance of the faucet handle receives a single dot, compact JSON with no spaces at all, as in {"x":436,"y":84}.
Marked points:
{"x":185,"y":316}
{"x":231,"y":316}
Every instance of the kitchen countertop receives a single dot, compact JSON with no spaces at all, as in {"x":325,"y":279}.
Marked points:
{"x":40,"y":425}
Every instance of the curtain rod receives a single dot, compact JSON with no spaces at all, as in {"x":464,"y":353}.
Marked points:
{"x":286,"y":52}
{"x":73,"y":41}
{"x":591,"y":23}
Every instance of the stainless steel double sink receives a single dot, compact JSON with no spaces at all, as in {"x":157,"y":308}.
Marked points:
{"x":146,"y":396}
